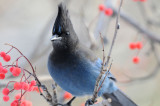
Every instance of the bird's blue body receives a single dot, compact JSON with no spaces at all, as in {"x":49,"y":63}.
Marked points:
{"x":78,"y":75}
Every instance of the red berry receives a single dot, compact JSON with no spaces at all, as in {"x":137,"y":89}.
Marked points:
{"x":0,"y":64}
{"x":36,"y":89}
{"x":26,"y":103}
{"x":25,"y":86}
{"x":31,"y":88}
{"x":14,"y":103}
{"x":139,"y":45}
{"x":6,"y":98}
{"x":2,"y":54}
{"x":143,"y":0}
{"x":7,"y":58}
{"x":132,"y":45}
{"x":135,"y":0}
{"x":101,"y":7}
{"x":108,"y":11}
{"x":67,"y":95}
{"x":17,"y":86}
{"x":2,"y":76}
{"x":1,"y":68}
{"x":33,"y":83}
{"x":4,"y":71}
{"x":83,"y":104}
{"x":11,"y":69}
{"x":17,"y":96}
{"x":16,"y":71}
{"x":5,"y":91}
{"x":136,"y":60}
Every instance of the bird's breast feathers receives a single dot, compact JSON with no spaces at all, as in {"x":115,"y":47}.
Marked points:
{"x":77,"y":77}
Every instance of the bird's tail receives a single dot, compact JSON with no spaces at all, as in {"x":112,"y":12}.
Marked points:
{"x":118,"y":98}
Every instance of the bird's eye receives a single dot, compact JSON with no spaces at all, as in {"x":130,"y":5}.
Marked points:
{"x":59,"y":30}
{"x":53,"y":30}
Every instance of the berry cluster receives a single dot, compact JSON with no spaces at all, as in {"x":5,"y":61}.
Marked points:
{"x":5,"y":56}
{"x":23,"y":86}
{"x":137,"y":45}
{"x":107,"y":11}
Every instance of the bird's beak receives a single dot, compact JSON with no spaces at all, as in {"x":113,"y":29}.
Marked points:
{"x":55,"y":37}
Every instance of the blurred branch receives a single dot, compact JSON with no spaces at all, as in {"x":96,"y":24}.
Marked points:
{"x":150,"y":35}
{"x":151,"y":75}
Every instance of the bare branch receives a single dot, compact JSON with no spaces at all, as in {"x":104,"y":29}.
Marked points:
{"x":146,"y":33}
{"x":95,"y":93}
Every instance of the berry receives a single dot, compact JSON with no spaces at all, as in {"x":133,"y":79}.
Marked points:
{"x":17,"y":86}
{"x":17,"y":96}
{"x":132,"y":45}
{"x":11,"y":69}
{"x":26,"y":103}
{"x":139,"y":45}
{"x":108,"y":11}
{"x":5,"y":91}
{"x":7,"y":58}
{"x":1,"y":68}
{"x":16,"y":71}
{"x":31,"y":88}
{"x":2,"y":54}
{"x":25,"y":86}
{"x":101,"y":7}
{"x":4,"y":71}
{"x":14,"y":103}
{"x":0,"y":64}
{"x":67,"y":95}
{"x":36,"y":89}
{"x":143,"y":0}
{"x":6,"y":98}
{"x":2,"y":76}
{"x":33,"y":83}
{"x":83,"y":104}
{"x":136,"y":60}
{"x":135,"y":0}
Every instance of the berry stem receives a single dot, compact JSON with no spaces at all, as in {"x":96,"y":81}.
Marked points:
{"x":23,"y":56}
{"x":9,"y":82}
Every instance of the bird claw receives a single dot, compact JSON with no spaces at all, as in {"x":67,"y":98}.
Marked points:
{"x":68,"y":103}
{"x":89,"y":102}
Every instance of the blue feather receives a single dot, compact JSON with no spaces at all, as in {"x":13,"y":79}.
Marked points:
{"x":80,"y":77}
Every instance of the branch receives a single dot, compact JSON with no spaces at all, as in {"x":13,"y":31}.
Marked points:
{"x":150,"y":35}
{"x":95,"y":93}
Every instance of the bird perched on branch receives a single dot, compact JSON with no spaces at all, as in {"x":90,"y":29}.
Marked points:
{"x":74,"y":67}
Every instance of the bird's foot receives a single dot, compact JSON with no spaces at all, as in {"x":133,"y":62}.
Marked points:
{"x":90,"y":102}
{"x":68,"y":103}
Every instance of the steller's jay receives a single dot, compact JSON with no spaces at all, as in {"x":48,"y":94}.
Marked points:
{"x":74,"y":67}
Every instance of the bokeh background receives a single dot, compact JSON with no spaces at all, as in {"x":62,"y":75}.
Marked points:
{"x":27,"y":24}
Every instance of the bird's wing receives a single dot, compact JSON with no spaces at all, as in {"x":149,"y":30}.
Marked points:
{"x":87,"y":53}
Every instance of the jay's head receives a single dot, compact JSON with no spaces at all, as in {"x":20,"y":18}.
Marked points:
{"x":63,"y":34}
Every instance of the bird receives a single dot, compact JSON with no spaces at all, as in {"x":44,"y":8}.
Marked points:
{"x":74,"y":67}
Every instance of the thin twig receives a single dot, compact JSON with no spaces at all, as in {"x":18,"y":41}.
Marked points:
{"x":48,"y":96}
{"x":95,"y":93}
{"x":54,"y":97}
